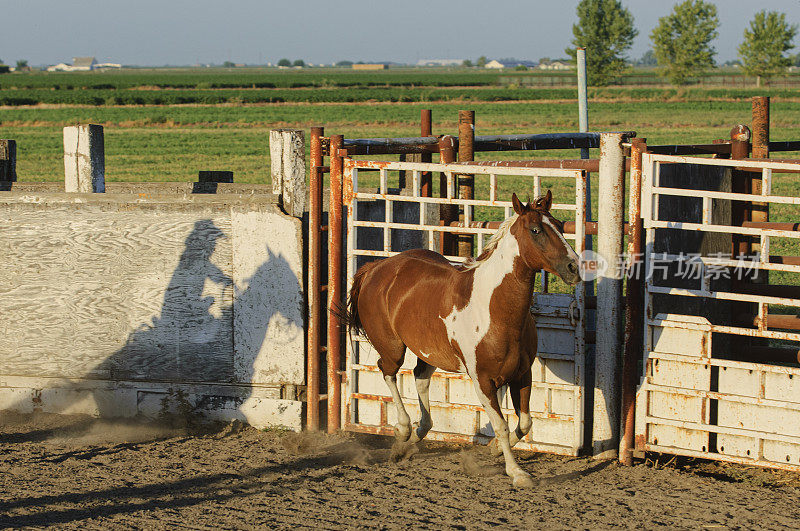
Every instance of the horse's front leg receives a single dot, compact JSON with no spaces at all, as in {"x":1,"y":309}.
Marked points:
{"x":487,"y":394}
{"x":520,"y":391}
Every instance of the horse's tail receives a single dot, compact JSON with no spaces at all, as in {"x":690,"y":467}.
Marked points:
{"x":348,"y":315}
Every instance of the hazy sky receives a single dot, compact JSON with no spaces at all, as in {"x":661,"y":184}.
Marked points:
{"x":151,"y":32}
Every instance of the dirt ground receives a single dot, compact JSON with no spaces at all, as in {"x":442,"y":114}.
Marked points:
{"x":77,"y":472}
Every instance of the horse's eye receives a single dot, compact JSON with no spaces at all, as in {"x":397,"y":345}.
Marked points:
{"x":536,"y":230}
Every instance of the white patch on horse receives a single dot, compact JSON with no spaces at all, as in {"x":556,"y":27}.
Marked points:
{"x":570,"y":250}
{"x":469,"y":325}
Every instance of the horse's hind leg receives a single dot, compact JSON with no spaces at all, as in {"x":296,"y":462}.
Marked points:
{"x":422,"y":374}
{"x":521,"y":398}
{"x":391,"y":358}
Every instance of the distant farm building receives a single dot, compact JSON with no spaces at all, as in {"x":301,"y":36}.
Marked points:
{"x":440,"y":62}
{"x":370,"y":66}
{"x":509,"y":63}
{"x":556,"y":65}
{"x":81,"y":64}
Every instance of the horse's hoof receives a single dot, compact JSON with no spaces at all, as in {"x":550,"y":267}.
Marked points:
{"x":523,"y":481}
{"x":403,"y":451}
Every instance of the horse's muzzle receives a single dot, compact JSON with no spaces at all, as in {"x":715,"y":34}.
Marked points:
{"x":570,"y":272}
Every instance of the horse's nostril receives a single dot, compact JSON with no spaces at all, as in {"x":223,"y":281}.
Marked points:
{"x":573,"y":267}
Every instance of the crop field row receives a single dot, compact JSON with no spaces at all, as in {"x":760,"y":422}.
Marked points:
{"x":248,"y":78}
{"x":111,"y":97}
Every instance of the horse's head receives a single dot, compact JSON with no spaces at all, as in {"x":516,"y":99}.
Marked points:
{"x":541,"y":241}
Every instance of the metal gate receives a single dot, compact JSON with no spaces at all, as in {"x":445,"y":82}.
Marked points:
{"x":696,"y":397}
{"x":405,"y":220}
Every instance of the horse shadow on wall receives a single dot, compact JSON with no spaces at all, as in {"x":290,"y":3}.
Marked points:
{"x":191,"y":339}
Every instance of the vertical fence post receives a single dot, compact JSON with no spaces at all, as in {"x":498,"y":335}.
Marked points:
{"x":634,"y":307}
{"x":334,"y":285}
{"x":8,"y":160}
{"x":426,"y":129}
{"x":609,"y":297}
{"x":288,"y":168}
{"x":760,"y":131}
{"x":84,"y":159}
{"x":583,"y":127}
{"x":293,"y":184}
{"x":760,"y":127}
{"x":447,"y":213}
{"x":276,"y":161}
{"x":314,"y":280}
{"x":466,"y":183}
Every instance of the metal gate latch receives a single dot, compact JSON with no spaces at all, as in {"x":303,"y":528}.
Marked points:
{"x":574,"y":313}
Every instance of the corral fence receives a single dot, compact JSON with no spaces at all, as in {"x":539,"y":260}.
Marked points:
{"x":380,"y":224}
{"x":375,"y":220}
{"x":720,"y":351}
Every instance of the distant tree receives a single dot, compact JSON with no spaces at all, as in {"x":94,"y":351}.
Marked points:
{"x":228,"y":64}
{"x":605,"y":29}
{"x":284,"y":62}
{"x":795,"y":60}
{"x":520,"y":68}
{"x":482,"y":61}
{"x":21,"y":63}
{"x":682,"y":40}
{"x":765,"y":42}
{"x":299,"y":62}
{"x":545,"y":60}
{"x":648,"y":59}
{"x":467,"y":63}
{"x":344,"y":63}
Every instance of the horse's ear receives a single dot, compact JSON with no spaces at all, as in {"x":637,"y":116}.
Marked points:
{"x":547,"y":201}
{"x":519,"y":208}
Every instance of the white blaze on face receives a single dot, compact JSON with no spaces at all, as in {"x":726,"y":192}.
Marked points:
{"x":570,"y":251}
{"x":470,"y":324}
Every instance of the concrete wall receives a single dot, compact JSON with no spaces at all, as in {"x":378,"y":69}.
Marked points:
{"x":111,"y":303}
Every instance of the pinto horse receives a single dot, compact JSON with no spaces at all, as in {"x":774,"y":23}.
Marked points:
{"x":473,"y":318}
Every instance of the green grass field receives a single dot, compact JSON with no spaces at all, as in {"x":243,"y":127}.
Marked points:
{"x":181,"y":122}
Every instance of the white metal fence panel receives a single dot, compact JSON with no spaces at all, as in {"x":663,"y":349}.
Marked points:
{"x":692,"y":400}
{"x":557,"y":398}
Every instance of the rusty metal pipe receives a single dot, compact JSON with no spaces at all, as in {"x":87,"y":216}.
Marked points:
{"x":590,"y":227}
{"x":314,"y":280}
{"x":466,"y":182}
{"x":781,"y":321}
{"x":760,"y":127}
{"x":774,"y":225}
{"x":447,"y":213}
{"x":335,"y":298}
{"x":426,"y":130}
{"x":592,"y":165}
{"x":634,"y":308}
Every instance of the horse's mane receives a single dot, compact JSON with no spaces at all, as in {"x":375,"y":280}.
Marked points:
{"x":491,"y":245}
{"x":505,"y":226}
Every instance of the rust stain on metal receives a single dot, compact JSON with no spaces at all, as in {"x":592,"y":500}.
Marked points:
{"x":740,"y":133}
{"x":335,"y":298}
{"x":314,"y":347}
